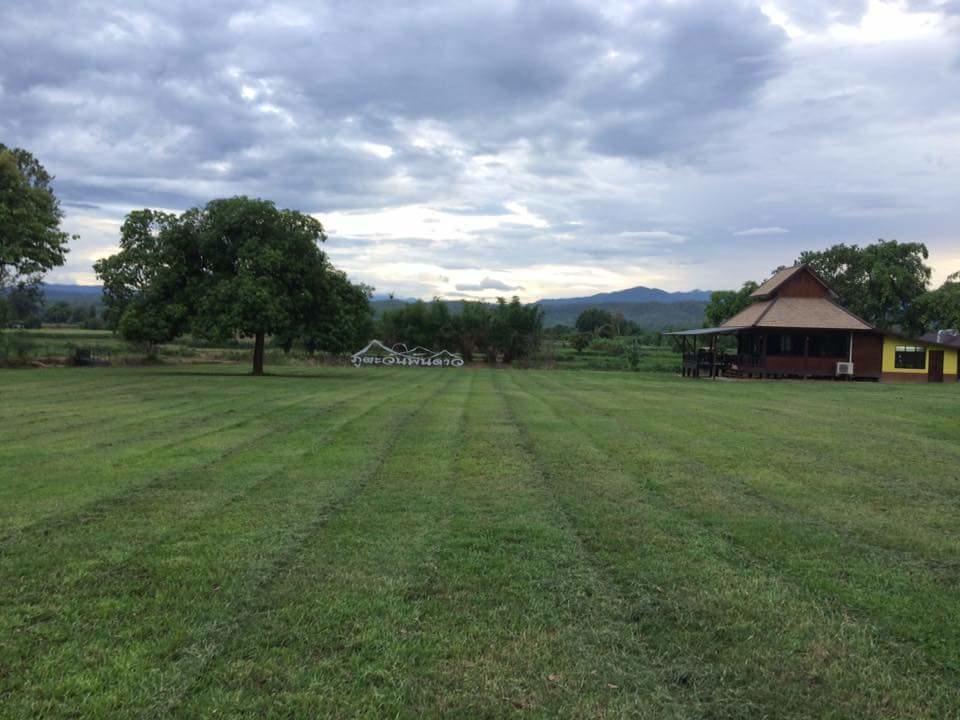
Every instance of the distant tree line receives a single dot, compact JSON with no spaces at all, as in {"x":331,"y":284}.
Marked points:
{"x":26,"y":307}
{"x":886,"y":283}
{"x":505,"y":331}
{"x":596,"y":324}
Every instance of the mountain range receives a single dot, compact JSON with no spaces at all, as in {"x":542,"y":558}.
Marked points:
{"x":650,"y":308}
{"x":639,"y":294}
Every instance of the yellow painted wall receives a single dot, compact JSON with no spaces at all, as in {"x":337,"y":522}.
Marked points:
{"x":890,"y":343}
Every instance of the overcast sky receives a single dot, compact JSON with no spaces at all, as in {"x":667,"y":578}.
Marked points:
{"x":543,"y":149}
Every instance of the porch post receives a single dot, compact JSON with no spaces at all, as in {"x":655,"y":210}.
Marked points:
{"x":763,"y":355}
{"x":696,"y":360}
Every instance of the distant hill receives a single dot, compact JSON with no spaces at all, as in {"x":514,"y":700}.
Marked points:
{"x":650,"y":308}
{"x":637,"y":294}
{"x":73,"y":294}
{"x":380,"y":305}
{"x":648,"y":315}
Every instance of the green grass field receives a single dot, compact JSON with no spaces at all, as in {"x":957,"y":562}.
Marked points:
{"x":193,"y":542}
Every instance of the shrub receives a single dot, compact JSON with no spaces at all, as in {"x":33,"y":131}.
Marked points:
{"x":633,"y":355}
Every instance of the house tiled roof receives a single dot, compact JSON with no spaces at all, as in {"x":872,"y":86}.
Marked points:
{"x":749,"y":315}
{"x":796,"y":312}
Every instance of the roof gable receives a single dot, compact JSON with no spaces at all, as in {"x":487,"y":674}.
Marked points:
{"x":799,"y":280}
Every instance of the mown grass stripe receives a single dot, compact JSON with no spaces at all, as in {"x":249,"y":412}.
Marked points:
{"x":702,"y":599}
{"x":135,"y":467}
{"x":28,"y":404}
{"x":847,"y":570}
{"x":267,"y":518}
{"x":304,"y":594}
{"x":138,"y":498}
{"x":860,"y":412}
{"x":800,"y":452}
{"x":107,"y":421}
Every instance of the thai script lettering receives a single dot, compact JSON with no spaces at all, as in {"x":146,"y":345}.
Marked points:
{"x":376,"y":353}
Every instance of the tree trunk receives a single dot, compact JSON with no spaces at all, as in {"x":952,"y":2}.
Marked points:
{"x":258,"y":354}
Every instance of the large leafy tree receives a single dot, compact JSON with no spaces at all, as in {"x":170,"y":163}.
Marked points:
{"x":724,"y":304}
{"x":517,"y":329}
{"x":31,"y":240}
{"x":938,"y":309}
{"x":259,"y":270}
{"x":474,"y":328}
{"x":144,"y":285}
{"x":235,"y":267}
{"x":878,"y":282}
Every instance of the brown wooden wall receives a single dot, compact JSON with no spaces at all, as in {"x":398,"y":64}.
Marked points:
{"x":867,"y":354}
{"x":795,"y":365}
{"x":803,"y":284}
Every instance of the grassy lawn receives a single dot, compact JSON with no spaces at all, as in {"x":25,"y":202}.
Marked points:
{"x":191,"y":542}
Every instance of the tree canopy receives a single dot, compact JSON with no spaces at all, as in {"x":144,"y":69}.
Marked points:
{"x":878,"y":282}
{"x":235,"y":267}
{"x":31,"y":240}
{"x":599,"y":321}
{"x":143,"y":289}
{"x":592,"y":319}
{"x":724,"y":304}
{"x":938,"y":309}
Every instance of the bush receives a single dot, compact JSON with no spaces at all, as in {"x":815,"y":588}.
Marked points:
{"x":607,"y":345}
{"x":633,"y":355}
{"x":15,"y":348}
{"x":580,"y":342}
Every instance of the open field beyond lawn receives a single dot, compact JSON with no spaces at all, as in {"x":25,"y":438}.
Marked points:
{"x":193,"y":542}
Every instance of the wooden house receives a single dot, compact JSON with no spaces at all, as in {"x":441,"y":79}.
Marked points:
{"x":796,"y":328}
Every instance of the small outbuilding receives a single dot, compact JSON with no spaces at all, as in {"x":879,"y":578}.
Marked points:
{"x":920,"y":360}
{"x":796,"y":328}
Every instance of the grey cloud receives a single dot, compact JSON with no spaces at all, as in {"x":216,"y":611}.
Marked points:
{"x":703,"y":120}
{"x":760,"y":231}
{"x":819,"y":13}
{"x":705,"y":63}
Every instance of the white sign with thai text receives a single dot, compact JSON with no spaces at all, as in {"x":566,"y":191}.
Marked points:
{"x":376,"y":353}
